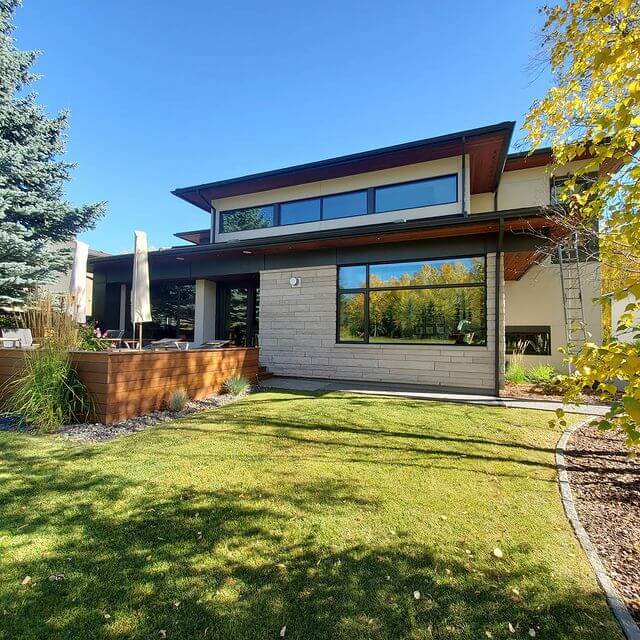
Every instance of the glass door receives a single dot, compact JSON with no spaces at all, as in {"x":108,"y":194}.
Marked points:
{"x":238,"y":314}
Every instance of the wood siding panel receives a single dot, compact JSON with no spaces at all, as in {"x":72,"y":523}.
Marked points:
{"x":123,"y":385}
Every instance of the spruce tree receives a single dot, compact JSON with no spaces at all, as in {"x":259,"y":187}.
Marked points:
{"x":35,"y":218}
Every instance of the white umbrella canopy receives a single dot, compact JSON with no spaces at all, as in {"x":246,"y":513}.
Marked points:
{"x":78,"y":283}
{"x":140,"y":302}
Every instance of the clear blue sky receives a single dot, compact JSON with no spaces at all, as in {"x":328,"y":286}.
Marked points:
{"x":167,"y":94}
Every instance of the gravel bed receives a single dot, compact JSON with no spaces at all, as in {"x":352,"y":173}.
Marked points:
{"x":96,"y":432}
{"x":605,"y":483}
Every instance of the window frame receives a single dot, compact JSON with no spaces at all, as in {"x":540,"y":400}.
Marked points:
{"x":224,"y":214}
{"x":527,"y":329}
{"x":370,"y":193}
{"x":367,"y":289}
{"x":418,"y":180}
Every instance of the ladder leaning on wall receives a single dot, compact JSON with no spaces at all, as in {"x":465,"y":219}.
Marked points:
{"x":571,"y":282}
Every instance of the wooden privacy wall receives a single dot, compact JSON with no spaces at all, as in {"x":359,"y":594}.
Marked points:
{"x":124,"y":384}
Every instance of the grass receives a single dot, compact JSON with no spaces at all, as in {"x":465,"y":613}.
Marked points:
{"x":322,"y":513}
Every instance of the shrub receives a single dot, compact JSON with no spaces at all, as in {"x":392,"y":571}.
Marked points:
{"x":541,"y":374}
{"x":178,"y":400}
{"x":89,"y":340}
{"x":48,"y":393}
{"x":236,"y":385}
{"x":515,"y":373}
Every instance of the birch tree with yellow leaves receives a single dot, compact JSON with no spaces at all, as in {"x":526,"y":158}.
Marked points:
{"x":592,"y":111}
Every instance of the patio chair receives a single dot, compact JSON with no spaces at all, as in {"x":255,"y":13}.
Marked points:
{"x":213,"y":344}
{"x":168,"y":344}
{"x":114,"y":336}
{"x":16,"y":338}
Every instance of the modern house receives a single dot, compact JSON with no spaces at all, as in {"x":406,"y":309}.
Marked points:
{"x":419,"y":263}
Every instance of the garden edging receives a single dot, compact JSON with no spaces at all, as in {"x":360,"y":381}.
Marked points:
{"x":615,"y":602}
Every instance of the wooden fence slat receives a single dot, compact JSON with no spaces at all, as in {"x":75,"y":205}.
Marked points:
{"x":124,"y":384}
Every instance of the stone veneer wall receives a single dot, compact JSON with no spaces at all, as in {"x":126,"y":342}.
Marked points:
{"x":298,"y":338}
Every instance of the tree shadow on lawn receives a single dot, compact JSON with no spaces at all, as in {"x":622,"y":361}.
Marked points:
{"x":110,"y":558}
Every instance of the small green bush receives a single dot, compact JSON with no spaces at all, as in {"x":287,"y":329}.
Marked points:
{"x":48,"y":393}
{"x":88,"y":339}
{"x":236,"y":385}
{"x":178,"y":400}
{"x":515,"y":373}
{"x":541,"y":374}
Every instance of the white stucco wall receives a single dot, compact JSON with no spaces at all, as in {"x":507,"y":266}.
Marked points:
{"x":617,"y":309}
{"x":536,"y":300}
{"x":340,"y":185}
{"x":298,"y":338}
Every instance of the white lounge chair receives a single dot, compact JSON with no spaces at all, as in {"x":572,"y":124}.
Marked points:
{"x":16,"y":338}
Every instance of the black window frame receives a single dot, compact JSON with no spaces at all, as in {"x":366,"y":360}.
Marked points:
{"x":286,"y":202}
{"x":523,"y":330}
{"x":367,"y":289}
{"x":228,"y":212}
{"x":370,"y":200}
{"x":419,"y":180}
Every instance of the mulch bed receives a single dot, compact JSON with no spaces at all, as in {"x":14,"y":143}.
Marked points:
{"x":537,"y":392}
{"x":605,"y":483}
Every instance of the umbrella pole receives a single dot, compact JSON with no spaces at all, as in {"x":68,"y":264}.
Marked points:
{"x":140,"y":337}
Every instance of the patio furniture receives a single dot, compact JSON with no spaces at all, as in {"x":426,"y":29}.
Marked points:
{"x":214,"y":344}
{"x":168,"y":344}
{"x":114,"y":336}
{"x":16,"y":338}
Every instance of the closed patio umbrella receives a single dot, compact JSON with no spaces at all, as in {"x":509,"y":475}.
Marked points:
{"x":78,"y":283}
{"x":140,"y":303}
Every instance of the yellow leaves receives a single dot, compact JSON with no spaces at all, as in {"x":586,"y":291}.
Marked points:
{"x":632,"y":407}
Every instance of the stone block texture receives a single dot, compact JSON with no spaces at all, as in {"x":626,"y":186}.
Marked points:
{"x":298,"y":338}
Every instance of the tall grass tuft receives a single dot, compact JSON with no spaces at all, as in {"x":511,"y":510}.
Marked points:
{"x":49,"y":322}
{"x":48,"y":393}
{"x":516,"y":372}
{"x":236,"y":385}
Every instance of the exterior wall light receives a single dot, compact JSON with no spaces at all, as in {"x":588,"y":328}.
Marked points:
{"x":294,"y":281}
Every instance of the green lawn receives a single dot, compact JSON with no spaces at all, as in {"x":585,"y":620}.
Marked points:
{"x":322,"y":513}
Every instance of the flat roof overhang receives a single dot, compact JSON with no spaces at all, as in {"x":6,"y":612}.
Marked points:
{"x":530,"y":219}
{"x":487,"y":148}
{"x":198,"y":236}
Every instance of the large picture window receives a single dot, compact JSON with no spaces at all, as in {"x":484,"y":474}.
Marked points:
{"x":420,"y":302}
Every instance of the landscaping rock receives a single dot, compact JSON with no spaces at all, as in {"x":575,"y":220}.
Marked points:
{"x":97,"y":432}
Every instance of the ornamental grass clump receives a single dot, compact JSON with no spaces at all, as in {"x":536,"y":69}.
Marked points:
{"x":48,"y":393}
{"x":236,"y":385}
{"x":178,"y":400}
{"x":516,"y":372}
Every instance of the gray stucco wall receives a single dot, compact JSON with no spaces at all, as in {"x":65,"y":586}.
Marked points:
{"x":298,"y":338}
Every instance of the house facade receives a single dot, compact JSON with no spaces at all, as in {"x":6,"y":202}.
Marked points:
{"x":422,"y":263}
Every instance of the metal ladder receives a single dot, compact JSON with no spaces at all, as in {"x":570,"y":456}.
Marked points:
{"x":570,"y":280}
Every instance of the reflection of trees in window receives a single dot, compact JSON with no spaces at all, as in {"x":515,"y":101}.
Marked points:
{"x":246,"y":219}
{"x":440,"y":302}
{"x":172,"y":310}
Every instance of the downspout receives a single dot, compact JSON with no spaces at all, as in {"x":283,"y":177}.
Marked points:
{"x":212,"y":231}
{"x":497,"y":306}
{"x":464,"y":177}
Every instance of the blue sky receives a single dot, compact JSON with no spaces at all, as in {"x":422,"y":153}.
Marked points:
{"x":167,"y":94}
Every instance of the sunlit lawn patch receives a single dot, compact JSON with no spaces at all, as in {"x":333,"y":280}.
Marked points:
{"x":338,"y":516}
